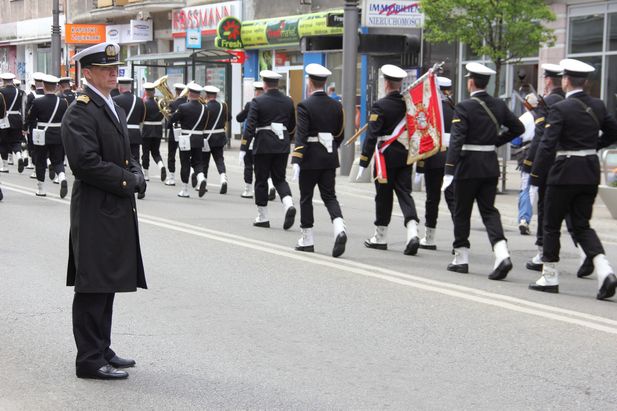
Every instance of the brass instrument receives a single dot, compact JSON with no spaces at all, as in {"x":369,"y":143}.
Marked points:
{"x":168,"y":96}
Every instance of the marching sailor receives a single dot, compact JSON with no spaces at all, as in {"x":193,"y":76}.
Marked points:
{"x":472,"y":164}
{"x":192,"y":117}
{"x":38,"y":92}
{"x":152,"y":132}
{"x":11,"y":123}
{"x":215,"y":137}
{"x":172,"y":144}
{"x":572,"y":179}
{"x":248,"y":157}
{"x":319,"y":132}
{"x":386,"y":123}
{"x":65,"y":89}
{"x":2,"y":115}
{"x":271,"y":121}
{"x":135,"y":110}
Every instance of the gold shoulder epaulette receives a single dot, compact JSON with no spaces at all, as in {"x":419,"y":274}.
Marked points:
{"x":83,"y":99}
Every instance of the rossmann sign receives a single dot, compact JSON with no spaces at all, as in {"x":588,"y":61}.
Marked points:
{"x":205,"y":17}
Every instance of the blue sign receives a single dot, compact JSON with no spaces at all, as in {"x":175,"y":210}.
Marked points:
{"x":193,"y":38}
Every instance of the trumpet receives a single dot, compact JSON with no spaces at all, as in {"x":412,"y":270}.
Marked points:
{"x":168,"y":96}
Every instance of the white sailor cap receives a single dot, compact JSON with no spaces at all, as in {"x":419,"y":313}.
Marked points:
{"x":392,"y":72}
{"x":532,"y":99}
{"x":194,"y":87}
{"x":125,"y":80}
{"x":148,"y":86}
{"x":179,"y":86}
{"x":49,"y":79}
{"x":7,"y":76}
{"x":444,"y":82}
{"x":259,"y":85}
{"x":102,"y":54}
{"x":38,"y":76}
{"x":269,"y":75}
{"x":478,"y":70}
{"x":212,"y":90}
{"x":317,"y":71}
{"x":576,"y":68}
{"x":17,"y":82}
{"x":552,"y":70}
{"x":65,"y":80}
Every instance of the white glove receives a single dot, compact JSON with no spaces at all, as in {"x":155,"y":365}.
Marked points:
{"x":447,"y":180}
{"x":296,"y":172}
{"x":360,"y":172}
{"x":524,"y":180}
{"x":417,"y":181}
{"x":533,"y":194}
{"x":241,"y":155}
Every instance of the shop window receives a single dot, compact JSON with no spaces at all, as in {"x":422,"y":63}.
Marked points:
{"x":612,"y":32}
{"x":586,"y":34}
{"x":288,"y":58}
{"x":611,"y":85}
{"x":594,"y":81}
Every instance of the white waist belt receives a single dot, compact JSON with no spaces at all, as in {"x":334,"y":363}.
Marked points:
{"x":312,"y":140}
{"x":216,"y":130}
{"x":153,"y":123}
{"x":39,"y":124}
{"x":12,"y":112}
{"x":478,"y":147}
{"x":267,"y":128}
{"x":576,"y":153}
{"x":133,"y":126}
{"x":185,"y":131}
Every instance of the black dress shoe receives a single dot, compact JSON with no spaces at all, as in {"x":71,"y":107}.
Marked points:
{"x":375,"y":246}
{"x":118,"y":362}
{"x":586,"y":269}
{"x":412,"y":246}
{"x":194,"y":180}
{"x":272,"y":194}
{"x":163,"y":174}
{"x":290,"y":216}
{"x":305,"y":248}
{"x":52,"y":172}
{"x":64,"y":189}
{"x":459,"y":268}
{"x":501,"y":271}
{"x":263,"y":224}
{"x":544,"y":288}
{"x":1,"y":195}
{"x":202,"y":188}
{"x":428,"y":247}
{"x":106,"y":372}
{"x":223,"y":189}
{"x":608,"y":287}
{"x":533,"y":266}
{"x":339,"y":245}
{"x":20,"y":165}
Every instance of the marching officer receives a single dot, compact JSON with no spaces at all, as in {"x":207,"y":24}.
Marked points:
{"x":38,"y":92}
{"x":2,"y":114}
{"x":271,"y":121}
{"x":472,"y":164}
{"x":65,"y":89}
{"x":45,"y":119}
{"x":433,"y":170}
{"x":215,"y":136}
{"x":248,"y":157}
{"x":11,"y":128}
{"x":571,"y":139}
{"x":387,"y":121}
{"x":319,"y":132}
{"x":172,"y":143}
{"x":192,"y":117}
{"x":104,"y":251}
{"x":152,"y":132}
{"x":135,"y":110}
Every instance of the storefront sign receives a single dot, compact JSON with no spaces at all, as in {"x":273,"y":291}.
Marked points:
{"x":84,"y":33}
{"x":141,"y":30}
{"x":205,"y":17}
{"x":228,"y":34}
{"x":392,"y":13}
{"x":114,"y":33}
{"x":193,"y":39}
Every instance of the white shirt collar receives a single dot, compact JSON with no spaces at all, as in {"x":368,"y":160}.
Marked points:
{"x":109,"y":100}
{"x":476,"y":92}
{"x":569,"y":93}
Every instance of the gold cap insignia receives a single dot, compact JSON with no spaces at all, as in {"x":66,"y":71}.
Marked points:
{"x":110,"y":51}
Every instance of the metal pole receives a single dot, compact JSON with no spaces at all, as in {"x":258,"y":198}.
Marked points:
{"x":350,"y":59}
{"x":55,"y":39}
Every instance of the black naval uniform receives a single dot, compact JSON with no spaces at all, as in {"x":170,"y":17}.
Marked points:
{"x":152,"y":132}
{"x":385,"y":115}
{"x":572,"y":179}
{"x":39,"y":115}
{"x":318,"y":114}
{"x":218,"y":139}
{"x":38,"y":93}
{"x":172,"y":144}
{"x":68,"y":95}
{"x":125,"y":101}
{"x":10,"y":138}
{"x":104,"y":251}
{"x":476,"y":172}
{"x":248,"y":158}
{"x":187,"y":115}
{"x":270,"y":152}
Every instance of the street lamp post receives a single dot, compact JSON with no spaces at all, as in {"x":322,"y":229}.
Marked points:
{"x":350,"y":58}
{"x":55,"y":39}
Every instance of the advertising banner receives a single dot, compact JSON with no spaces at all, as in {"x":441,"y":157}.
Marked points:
{"x":392,"y":13}
{"x":84,"y":33}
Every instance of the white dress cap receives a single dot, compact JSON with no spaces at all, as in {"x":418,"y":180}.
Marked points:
{"x":125,"y":80}
{"x":444,"y":82}
{"x":258,"y":85}
{"x":65,"y":79}
{"x":38,"y":76}
{"x":179,"y":86}
{"x":477,"y":69}
{"x":7,"y":76}
{"x":212,"y":90}
{"x":49,"y":79}
{"x":576,"y":68}
{"x":317,"y":71}
{"x":17,"y":82}
{"x":194,"y":87}
{"x":102,"y":54}
{"x":392,"y":72}
{"x":269,"y":75}
{"x":148,"y":86}
{"x":552,"y":70}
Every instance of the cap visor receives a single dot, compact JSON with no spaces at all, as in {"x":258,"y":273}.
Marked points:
{"x":117,"y":63}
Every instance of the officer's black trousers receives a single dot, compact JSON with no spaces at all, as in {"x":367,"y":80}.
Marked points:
{"x":248,"y":167}
{"x":576,"y":200}
{"x":217,"y":154}
{"x":270,"y":166}
{"x":92,"y":314}
{"x":188,"y":159}
{"x":135,"y":151}
{"x":151,"y":146}
{"x":172,"y":147}
{"x":9,"y":142}
{"x":482,"y":191}
{"x":448,"y":195}
{"x":55,"y":152}
{"x":399,"y":182}
{"x":31,"y":146}
{"x":540,"y":232}
{"x":324,"y":179}
{"x":433,"y":178}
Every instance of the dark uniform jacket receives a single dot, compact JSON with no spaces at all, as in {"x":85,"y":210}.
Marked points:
{"x":541,"y":113}
{"x":318,"y":113}
{"x":153,"y":114}
{"x":473,"y":125}
{"x":2,"y":106}
{"x":439,"y":160}
{"x":271,"y":107}
{"x":570,"y":127}
{"x":217,"y":139}
{"x":241,"y":116}
{"x":13,"y":133}
{"x":41,"y":111}
{"x":104,"y":251}
{"x":187,"y":115}
{"x":69,"y":95}
{"x":38,"y":93}
{"x":125,"y":101}
{"x":385,"y":115}
{"x":173,"y":107}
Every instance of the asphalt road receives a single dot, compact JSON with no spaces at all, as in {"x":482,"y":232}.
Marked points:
{"x":236,"y":319}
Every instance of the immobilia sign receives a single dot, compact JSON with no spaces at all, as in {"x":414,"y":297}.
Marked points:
{"x":277,"y":31}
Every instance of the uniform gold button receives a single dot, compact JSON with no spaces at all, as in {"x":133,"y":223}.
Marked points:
{"x":124,"y":184}
{"x":126,"y":162}
{"x":134,"y":210}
